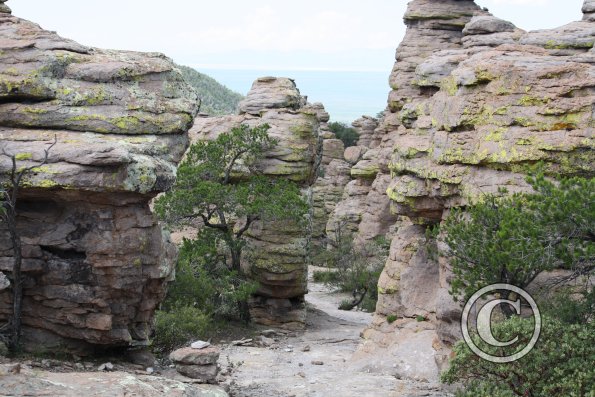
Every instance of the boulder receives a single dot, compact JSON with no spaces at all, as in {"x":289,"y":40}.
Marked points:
{"x":190,"y":356}
{"x":486,"y":25}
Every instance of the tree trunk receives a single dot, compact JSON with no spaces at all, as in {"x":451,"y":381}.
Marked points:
{"x":17,"y":293}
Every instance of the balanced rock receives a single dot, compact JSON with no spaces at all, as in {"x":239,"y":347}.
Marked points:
{"x":278,"y":259}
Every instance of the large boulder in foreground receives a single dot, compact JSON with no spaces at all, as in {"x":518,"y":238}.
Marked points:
{"x":96,"y":262}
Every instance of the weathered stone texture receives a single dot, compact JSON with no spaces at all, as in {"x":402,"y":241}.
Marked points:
{"x":475,"y":102}
{"x":278,"y":260}
{"x":96,"y":262}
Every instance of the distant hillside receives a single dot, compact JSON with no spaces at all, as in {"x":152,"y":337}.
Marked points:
{"x":216,"y":98}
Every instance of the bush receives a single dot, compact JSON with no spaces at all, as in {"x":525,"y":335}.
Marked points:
{"x":560,"y":364}
{"x":356,"y":269}
{"x":325,"y":276}
{"x":178,"y":325}
{"x":342,"y":131}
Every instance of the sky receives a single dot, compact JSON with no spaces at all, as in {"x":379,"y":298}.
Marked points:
{"x":351,"y":35}
{"x":340,"y":52}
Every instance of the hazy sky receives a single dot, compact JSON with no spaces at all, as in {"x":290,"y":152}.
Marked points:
{"x":262,"y":34}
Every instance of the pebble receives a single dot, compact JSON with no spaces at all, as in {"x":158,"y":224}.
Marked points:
{"x":317,"y":362}
{"x":106,"y":367}
{"x":302,"y":374}
{"x":306,"y":348}
{"x":200,"y":344}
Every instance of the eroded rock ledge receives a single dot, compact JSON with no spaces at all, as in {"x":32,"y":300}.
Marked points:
{"x":475,"y":102}
{"x":96,"y":261}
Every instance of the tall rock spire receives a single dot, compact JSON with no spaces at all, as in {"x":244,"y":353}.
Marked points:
{"x":589,"y":10}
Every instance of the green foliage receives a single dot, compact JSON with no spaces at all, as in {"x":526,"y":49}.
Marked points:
{"x":204,"y":279}
{"x":391,"y":318}
{"x":178,"y":325}
{"x":512,"y":239}
{"x":325,"y":276}
{"x":560,"y":364}
{"x":216,"y":99}
{"x":219,"y":185}
{"x":347,"y":134}
{"x":356,"y":268}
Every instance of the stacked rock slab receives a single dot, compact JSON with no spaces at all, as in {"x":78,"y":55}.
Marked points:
{"x":475,"y":103}
{"x":278,"y":260}
{"x":96,"y":262}
{"x":200,"y":364}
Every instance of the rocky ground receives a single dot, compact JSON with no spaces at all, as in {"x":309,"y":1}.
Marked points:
{"x":317,"y":362}
{"x":271,"y":363}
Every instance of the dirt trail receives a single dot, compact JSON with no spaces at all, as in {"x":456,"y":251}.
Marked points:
{"x":291,"y":365}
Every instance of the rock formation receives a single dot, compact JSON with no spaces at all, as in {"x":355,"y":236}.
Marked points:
{"x":278,"y":261}
{"x":96,"y":262}
{"x":475,"y":103}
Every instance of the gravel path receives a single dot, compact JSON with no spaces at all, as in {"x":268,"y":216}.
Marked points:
{"x":316,"y":362}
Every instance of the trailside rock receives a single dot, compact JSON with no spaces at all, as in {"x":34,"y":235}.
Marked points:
{"x":190,"y":356}
{"x":200,"y":364}
{"x":95,"y":260}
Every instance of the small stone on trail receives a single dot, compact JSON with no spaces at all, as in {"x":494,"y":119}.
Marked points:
{"x":306,"y":348}
{"x":302,"y":374}
{"x":150,"y":370}
{"x":106,"y":367}
{"x":317,"y":362}
{"x":200,"y":344}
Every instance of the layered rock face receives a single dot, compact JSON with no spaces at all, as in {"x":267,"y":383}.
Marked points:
{"x":96,"y":262}
{"x":475,"y":103}
{"x":278,"y":260}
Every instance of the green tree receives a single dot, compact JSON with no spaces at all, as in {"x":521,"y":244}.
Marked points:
{"x":513,"y":239}
{"x":219,"y":184}
{"x":342,"y":131}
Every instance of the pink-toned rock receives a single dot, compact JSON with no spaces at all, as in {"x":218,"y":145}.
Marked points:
{"x":96,"y":261}
{"x":353,"y":154}
{"x":190,"y":356}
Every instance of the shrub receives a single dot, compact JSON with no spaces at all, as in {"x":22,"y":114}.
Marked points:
{"x":325,"y":276}
{"x":356,"y":269}
{"x":342,"y":131}
{"x":560,"y":364}
{"x":391,"y":318}
{"x":178,"y":325}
